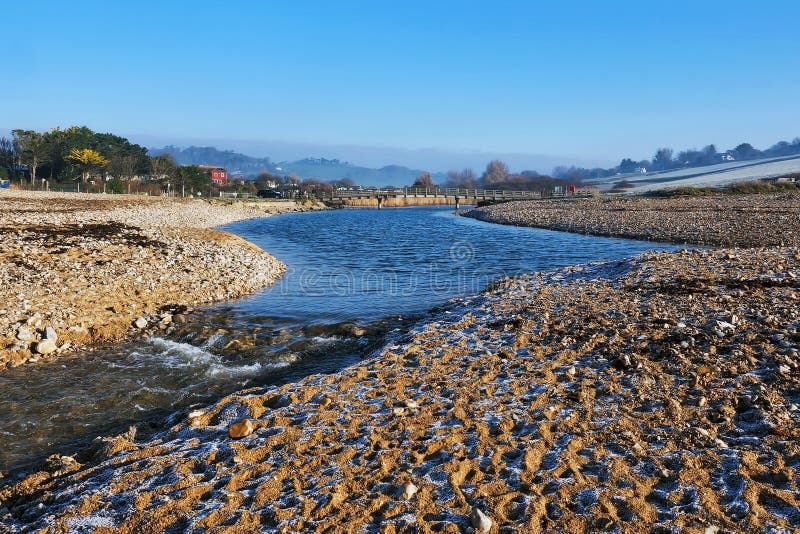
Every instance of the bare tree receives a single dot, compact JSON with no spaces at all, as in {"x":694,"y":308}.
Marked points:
{"x":496,"y":173}
{"x":162,"y":168}
{"x":123,"y":167}
{"x":424,"y":180}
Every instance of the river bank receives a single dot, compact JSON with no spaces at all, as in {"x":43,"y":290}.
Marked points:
{"x":653,"y":394}
{"x":78,"y":269}
{"x":712,"y":220}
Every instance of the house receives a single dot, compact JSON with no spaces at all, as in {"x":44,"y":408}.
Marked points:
{"x":218,"y":174}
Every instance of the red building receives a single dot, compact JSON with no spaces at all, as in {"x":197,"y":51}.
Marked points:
{"x":218,"y":175}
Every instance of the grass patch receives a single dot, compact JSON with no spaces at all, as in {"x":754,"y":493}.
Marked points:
{"x":756,"y":187}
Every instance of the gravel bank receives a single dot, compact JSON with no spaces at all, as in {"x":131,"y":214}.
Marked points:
{"x":658,"y":394}
{"x":78,"y":269}
{"x":722,"y":220}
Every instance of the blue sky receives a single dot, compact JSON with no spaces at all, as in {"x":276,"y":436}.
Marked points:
{"x":431,"y":84}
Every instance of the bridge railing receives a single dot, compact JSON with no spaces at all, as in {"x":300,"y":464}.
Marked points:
{"x":429,"y":192}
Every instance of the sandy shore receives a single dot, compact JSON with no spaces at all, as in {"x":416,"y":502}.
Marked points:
{"x":77,"y":269}
{"x":658,"y":394}
{"x":721,"y":220}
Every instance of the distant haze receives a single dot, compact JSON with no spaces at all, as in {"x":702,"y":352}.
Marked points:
{"x":431,"y":159}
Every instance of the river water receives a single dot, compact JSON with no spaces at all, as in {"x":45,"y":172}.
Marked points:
{"x":354,"y":277}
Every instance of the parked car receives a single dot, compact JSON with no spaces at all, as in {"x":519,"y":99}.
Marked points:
{"x":269,"y":193}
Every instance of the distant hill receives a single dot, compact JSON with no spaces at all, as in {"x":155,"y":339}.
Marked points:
{"x":325,"y":169}
{"x":320,"y":168}
{"x":208,"y":155}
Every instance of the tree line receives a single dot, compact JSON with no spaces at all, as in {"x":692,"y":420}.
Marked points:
{"x":78,"y":154}
{"x":496,"y":176}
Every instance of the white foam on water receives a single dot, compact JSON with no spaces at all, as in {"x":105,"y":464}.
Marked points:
{"x":221,"y":369}
{"x":175,"y":354}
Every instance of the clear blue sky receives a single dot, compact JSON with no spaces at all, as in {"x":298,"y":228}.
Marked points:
{"x":583,"y":80}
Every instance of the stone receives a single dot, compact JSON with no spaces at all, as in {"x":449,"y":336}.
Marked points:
{"x":24,"y":333}
{"x":45,"y":346}
{"x":479,"y":521}
{"x":140,"y":323}
{"x":409,"y":490}
{"x":241,"y":429}
{"x":179,"y":318}
{"x":50,"y":333}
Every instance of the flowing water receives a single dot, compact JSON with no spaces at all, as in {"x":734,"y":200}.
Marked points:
{"x":354,"y":276}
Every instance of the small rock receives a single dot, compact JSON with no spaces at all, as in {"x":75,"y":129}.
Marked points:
{"x":702,"y":401}
{"x":45,"y":346}
{"x":674,"y":408}
{"x":479,"y":520}
{"x":24,"y":333}
{"x":398,"y":411}
{"x":140,"y":323}
{"x":241,"y":429}
{"x":179,"y":318}
{"x":411,"y":404}
{"x":409,"y":490}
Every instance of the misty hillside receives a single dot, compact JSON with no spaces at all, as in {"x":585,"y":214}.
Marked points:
{"x":208,"y":155}
{"x":320,"y":168}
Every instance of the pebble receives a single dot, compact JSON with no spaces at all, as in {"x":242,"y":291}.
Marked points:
{"x":140,"y":323}
{"x":479,"y":520}
{"x":409,"y":490}
{"x":24,"y":333}
{"x":241,"y":429}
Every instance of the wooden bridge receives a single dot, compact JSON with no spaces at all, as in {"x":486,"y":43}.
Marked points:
{"x":450,"y":195}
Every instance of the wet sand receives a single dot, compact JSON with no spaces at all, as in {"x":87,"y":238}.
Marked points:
{"x":657,"y":394}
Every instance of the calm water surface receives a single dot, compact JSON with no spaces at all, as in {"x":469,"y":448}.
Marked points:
{"x":349,"y":272}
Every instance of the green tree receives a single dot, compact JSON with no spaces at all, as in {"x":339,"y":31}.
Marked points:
{"x":32,"y":149}
{"x":663,"y":159}
{"x":8,"y":156}
{"x":193,"y":178}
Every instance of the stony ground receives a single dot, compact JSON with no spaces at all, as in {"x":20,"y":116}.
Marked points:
{"x":79,"y":269}
{"x":720,"y":220}
{"x":658,"y":394}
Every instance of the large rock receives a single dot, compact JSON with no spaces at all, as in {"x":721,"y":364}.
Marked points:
{"x":46,"y":346}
